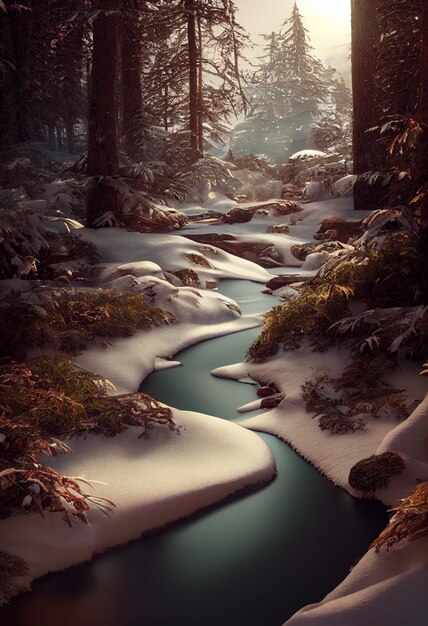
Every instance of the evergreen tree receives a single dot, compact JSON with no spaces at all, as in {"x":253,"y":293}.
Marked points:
{"x":288,"y":88}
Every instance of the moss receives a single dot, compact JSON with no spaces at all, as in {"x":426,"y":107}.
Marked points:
{"x":69,"y":320}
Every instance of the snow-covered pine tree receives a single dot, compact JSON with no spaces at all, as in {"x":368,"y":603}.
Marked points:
{"x":288,"y":89}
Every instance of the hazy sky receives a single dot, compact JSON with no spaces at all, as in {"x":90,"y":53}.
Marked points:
{"x":328,"y":22}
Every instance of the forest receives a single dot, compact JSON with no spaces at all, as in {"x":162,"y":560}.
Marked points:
{"x":214,"y":312}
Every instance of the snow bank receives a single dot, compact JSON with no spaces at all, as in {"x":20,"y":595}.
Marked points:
{"x":128,"y":361}
{"x":385,"y":589}
{"x":171,"y":252}
{"x":409,"y":440}
{"x":333,"y":455}
{"x":153,"y":483}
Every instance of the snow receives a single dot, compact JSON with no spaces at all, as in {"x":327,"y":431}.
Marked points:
{"x":333,"y":455}
{"x":171,"y":253}
{"x":385,"y":589}
{"x":152,"y":482}
{"x":345,"y":186}
{"x":129,"y":360}
{"x":307,"y":154}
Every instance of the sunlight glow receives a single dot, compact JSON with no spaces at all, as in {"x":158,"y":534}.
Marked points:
{"x":336,"y":11}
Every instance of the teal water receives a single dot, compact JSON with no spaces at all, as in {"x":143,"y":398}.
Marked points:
{"x":252,"y":561}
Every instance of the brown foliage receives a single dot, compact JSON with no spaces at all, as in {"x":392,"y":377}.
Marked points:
{"x":409,"y":522}
{"x":47,"y":399}
{"x":375,"y":472}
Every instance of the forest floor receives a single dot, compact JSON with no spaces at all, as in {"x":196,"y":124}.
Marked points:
{"x":209,"y":459}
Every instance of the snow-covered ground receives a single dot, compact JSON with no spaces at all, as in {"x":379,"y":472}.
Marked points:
{"x":152,"y":482}
{"x":334,"y":455}
{"x":211,"y":458}
{"x":385,"y":589}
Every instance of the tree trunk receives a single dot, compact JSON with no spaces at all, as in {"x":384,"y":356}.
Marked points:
{"x":103,"y":157}
{"x":51,"y":138}
{"x":131,"y":77}
{"x":193,"y":78}
{"x":200,"y":91}
{"x":365,"y":37}
{"x":420,"y":175}
{"x":21,"y":30}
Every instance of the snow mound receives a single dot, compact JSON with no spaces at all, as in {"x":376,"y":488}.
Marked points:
{"x":306,"y":154}
{"x":171,"y":253}
{"x":152,"y":482}
{"x":385,"y":589}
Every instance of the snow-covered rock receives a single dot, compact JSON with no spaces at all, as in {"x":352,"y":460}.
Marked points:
{"x":307,"y":154}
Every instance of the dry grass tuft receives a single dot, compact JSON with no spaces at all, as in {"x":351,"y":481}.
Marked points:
{"x":409,"y":522}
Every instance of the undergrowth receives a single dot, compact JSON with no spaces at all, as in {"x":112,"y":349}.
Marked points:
{"x":345,"y":404}
{"x":389,"y":279}
{"x":310,"y":315}
{"x":409,"y":522}
{"x":47,"y":399}
{"x":69,"y":320}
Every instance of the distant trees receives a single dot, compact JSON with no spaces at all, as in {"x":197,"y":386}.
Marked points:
{"x":288,"y":89}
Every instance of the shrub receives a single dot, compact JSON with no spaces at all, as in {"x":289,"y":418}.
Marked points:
{"x":46,"y":399}
{"x":310,"y":314}
{"x":69,"y":320}
{"x":409,"y":522}
{"x":375,"y":472}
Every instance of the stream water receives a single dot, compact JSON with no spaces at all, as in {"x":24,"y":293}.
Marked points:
{"x":252,"y":561}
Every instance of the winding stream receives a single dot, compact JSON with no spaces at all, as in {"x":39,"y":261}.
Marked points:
{"x":252,"y":561}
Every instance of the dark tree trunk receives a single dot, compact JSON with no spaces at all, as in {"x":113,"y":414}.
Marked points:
{"x":21,"y":30}
{"x":59,"y":138}
{"x":69,"y":132}
{"x":193,"y":79}
{"x":420,"y":174}
{"x":200,"y":91}
{"x":103,"y":157}
{"x":131,"y":77}
{"x":365,"y":37}
{"x":51,"y":138}
{"x":166,"y":107}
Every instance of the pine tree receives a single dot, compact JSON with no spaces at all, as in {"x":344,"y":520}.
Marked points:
{"x":289,"y":87}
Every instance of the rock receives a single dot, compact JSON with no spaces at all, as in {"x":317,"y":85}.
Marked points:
{"x":270,"y":257}
{"x":301,"y":250}
{"x":335,"y":229}
{"x":264,"y":392}
{"x":272,"y":403}
{"x":284,"y":281}
{"x":315,"y":261}
{"x":242,"y":215}
{"x":278,"y":228}
{"x":188,"y":277}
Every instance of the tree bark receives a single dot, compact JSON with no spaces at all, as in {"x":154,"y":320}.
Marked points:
{"x":103,"y":156}
{"x":193,"y":78}
{"x":420,"y":174}
{"x":131,"y":78}
{"x":365,"y":37}
{"x":200,"y":90}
